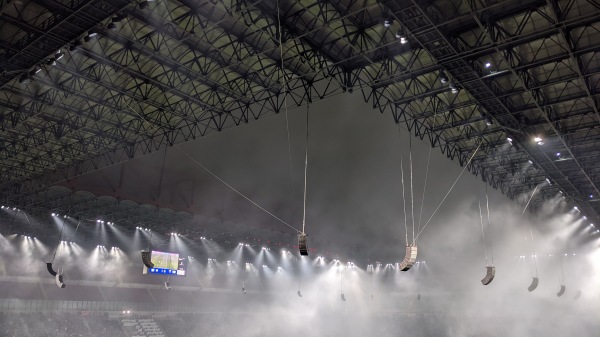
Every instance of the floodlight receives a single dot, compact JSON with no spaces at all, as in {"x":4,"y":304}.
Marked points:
{"x":24,"y":79}
{"x":443,"y":77}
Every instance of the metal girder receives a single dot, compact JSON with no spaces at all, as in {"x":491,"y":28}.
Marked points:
{"x":66,"y":22}
{"x":449,"y":53}
{"x":158,"y":80}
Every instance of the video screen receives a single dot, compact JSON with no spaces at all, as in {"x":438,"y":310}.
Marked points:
{"x":167,"y":264}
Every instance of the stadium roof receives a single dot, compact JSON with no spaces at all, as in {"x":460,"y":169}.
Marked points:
{"x":88,"y":84}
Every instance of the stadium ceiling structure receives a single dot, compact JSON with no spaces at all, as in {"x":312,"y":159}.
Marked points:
{"x":87,"y":84}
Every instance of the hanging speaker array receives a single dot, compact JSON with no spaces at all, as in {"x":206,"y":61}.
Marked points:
{"x":60,"y":280}
{"x":489,"y":275}
{"x":146,"y":258}
{"x":562,"y":290}
{"x":50,"y":269}
{"x":303,"y":244}
{"x":534,"y":284}
{"x":410,"y":257}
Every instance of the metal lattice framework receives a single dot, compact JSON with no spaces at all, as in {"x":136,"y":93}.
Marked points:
{"x":136,"y":77}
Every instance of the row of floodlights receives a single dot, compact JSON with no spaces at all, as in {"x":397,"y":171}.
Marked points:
{"x":24,"y":78}
{"x":143,"y":229}
{"x":108,"y":222}
{"x":175,"y":234}
{"x":8,"y":207}
{"x":389,"y":22}
{"x":549,"y":255}
{"x":243,"y":244}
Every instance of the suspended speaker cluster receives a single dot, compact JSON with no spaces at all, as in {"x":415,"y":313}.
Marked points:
{"x":299,"y":293}
{"x":343,"y":297}
{"x":146,"y":258}
{"x":489,"y":275}
{"x":303,"y":244}
{"x":409,"y":258}
{"x":534,"y":284}
{"x":59,"y":280}
{"x":167,"y":286}
{"x":58,"y":277}
{"x":562,"y":290}
{"x":50,"y":269}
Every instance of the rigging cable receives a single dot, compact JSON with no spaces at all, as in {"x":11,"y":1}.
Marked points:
{"x":487,"y":205}
{"x":531,"y":232}
{"x":562,"y":271}
{"x":412,"y":201}
{"x":238,"y":192}
{"x":424,"y":187}
{"x":482,"y":232}
{"x":404,"y":200}
{"x":59,"y":240}
{"x":305,"y":171}
{"x":403,"y":188}
{"x":284,"y":86}
{"x":426,"y":173}
{"x":450,"y":190}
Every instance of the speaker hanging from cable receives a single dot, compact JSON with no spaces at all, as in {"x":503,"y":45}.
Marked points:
{"x":58,"y":276}
{"x":410,"y":253}
{"x":411,"y":250}
{"x":490,"y":268}
{"x":302,"y":237}
{"x":147,"y":254}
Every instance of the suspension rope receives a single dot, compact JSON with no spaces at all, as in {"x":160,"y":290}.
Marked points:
{"x":412,"y":201}
{"x":482,"y":232}
{"x":12,"y":221}
{"x":305,"y":172}
{"x":284,"y":86}
{"x":424,"y":188}
{"x":487,"y":205}
{"x":238,"y":192}
{"x":76,"y":228}
{"x":562,"y":271}
{"x":341,"y":278}
{"x":404,"y":199}
{"x":59,"y":239}
{"x":448,"y":193}
{"x":533,"y":250}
